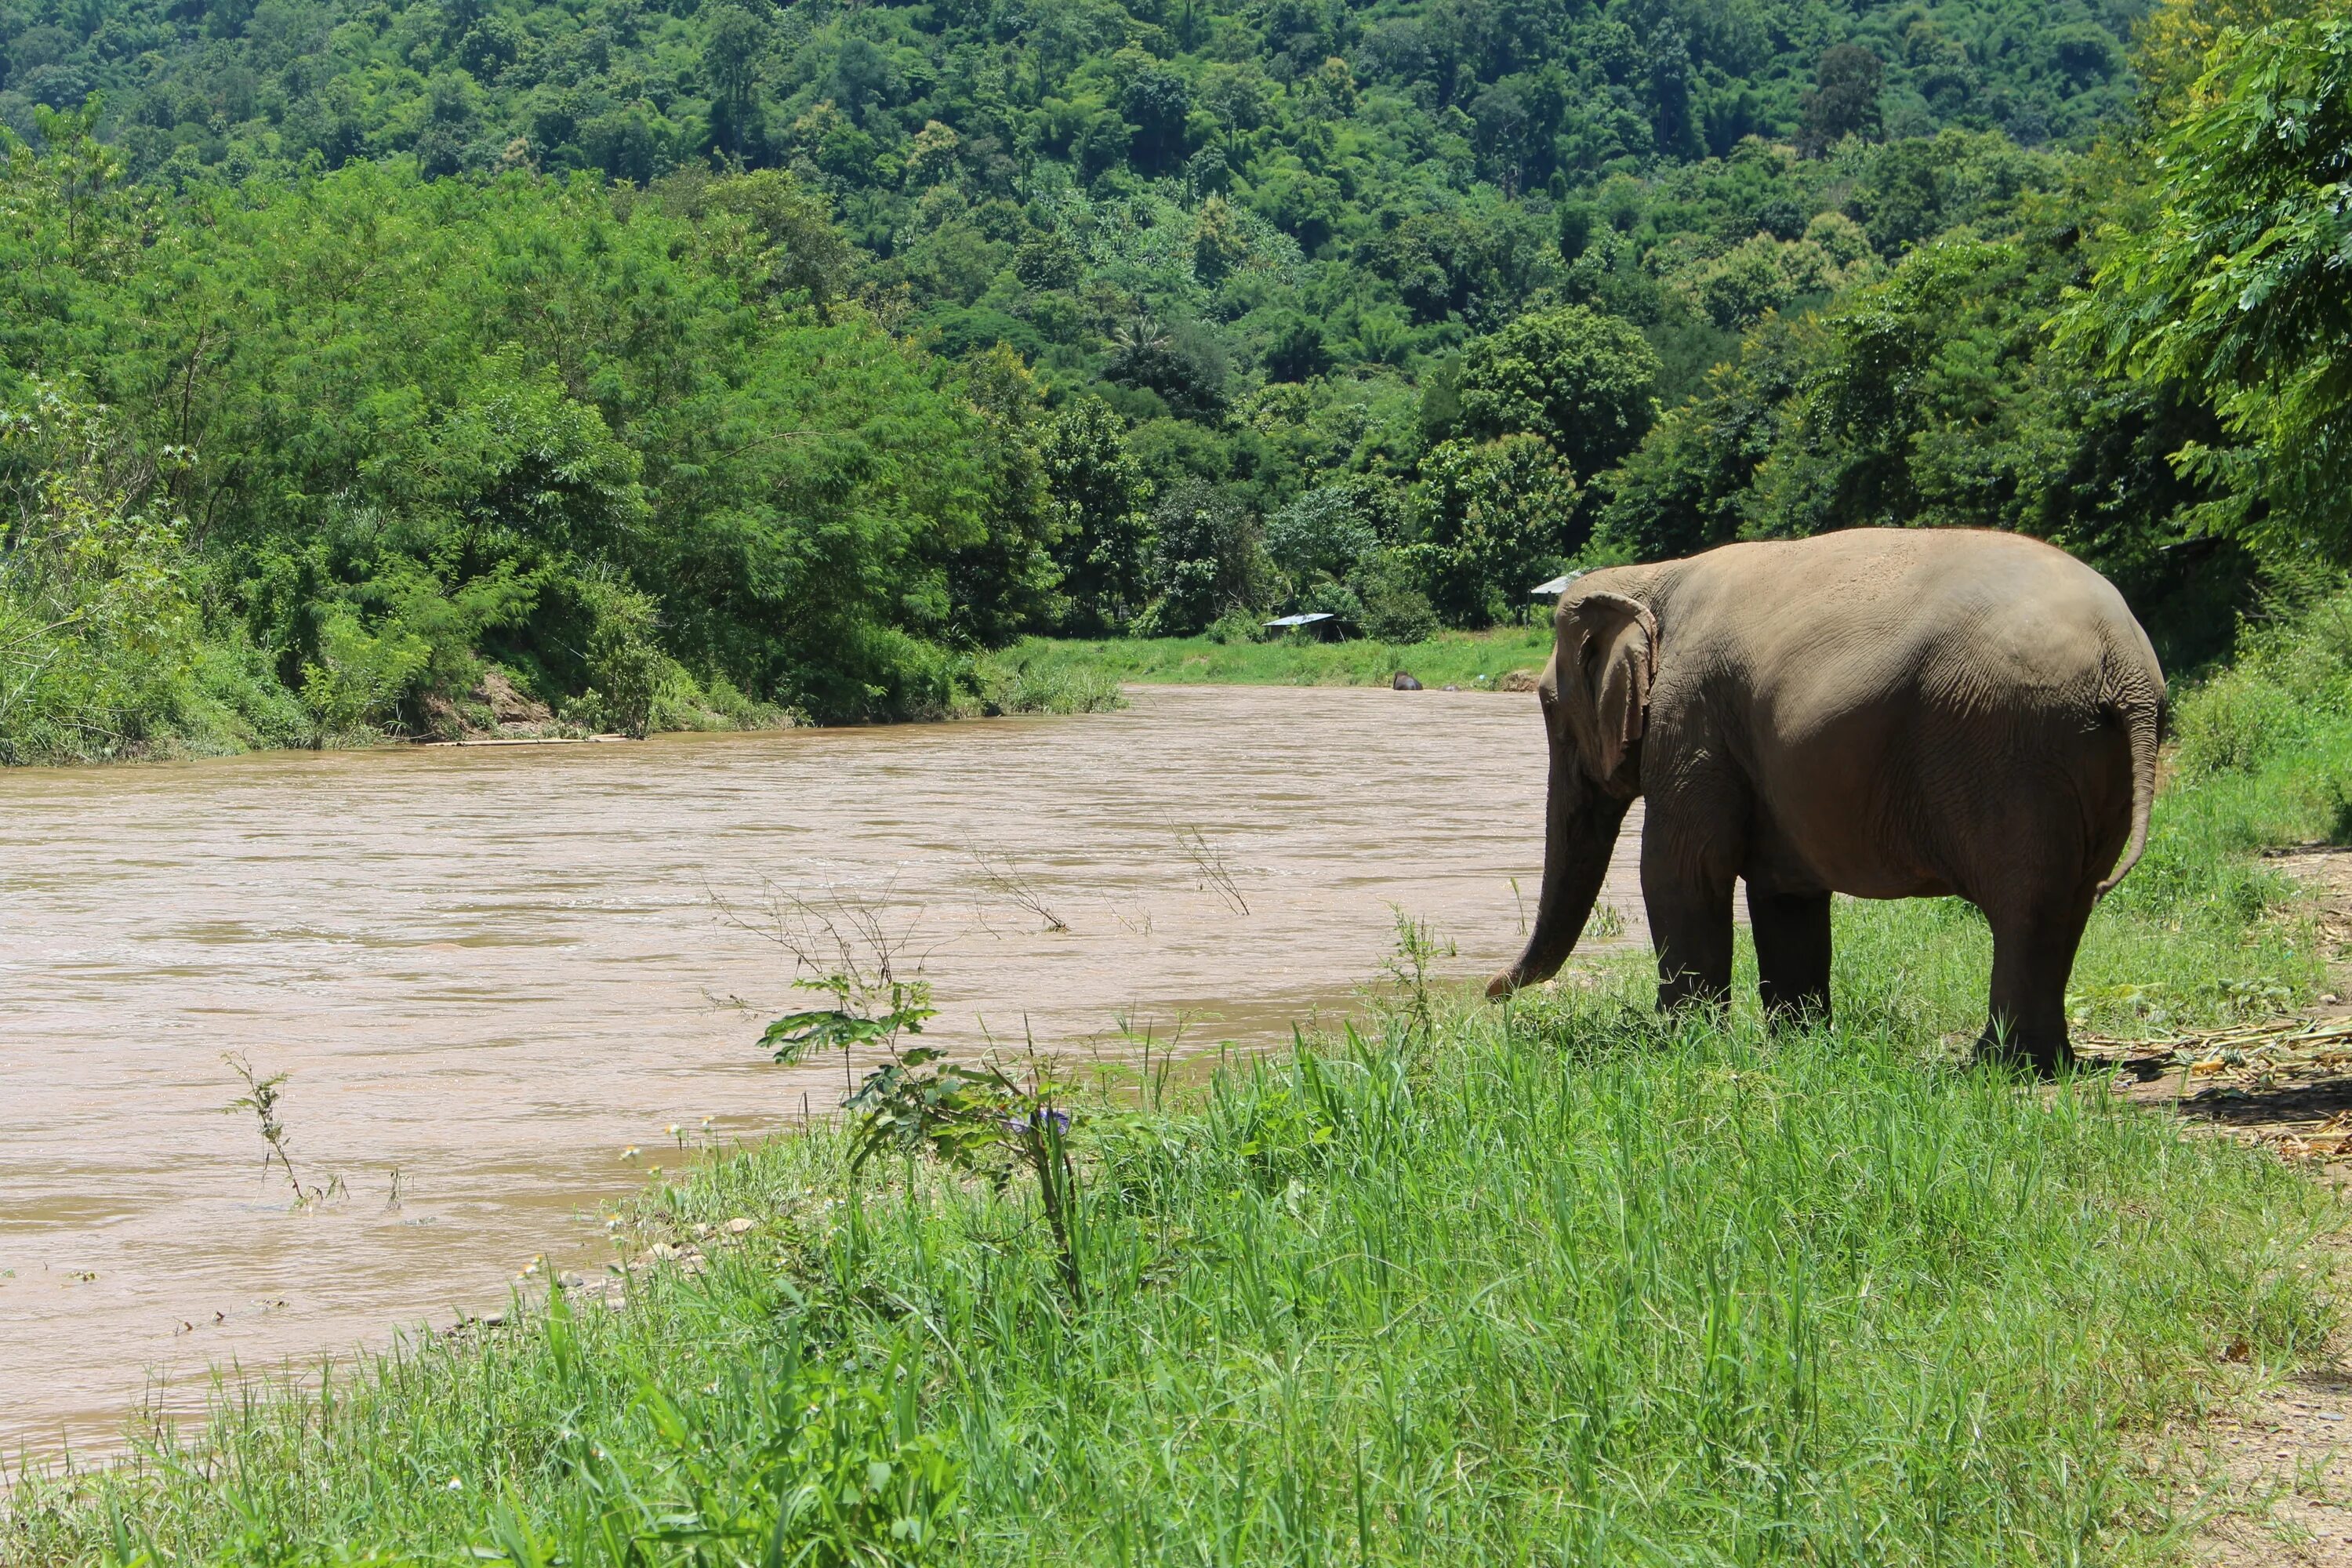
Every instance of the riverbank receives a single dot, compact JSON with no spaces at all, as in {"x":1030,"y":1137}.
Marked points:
{"x":1472,"y":661}
{"x":227,"y":703}
{"x":1472,"y":1284}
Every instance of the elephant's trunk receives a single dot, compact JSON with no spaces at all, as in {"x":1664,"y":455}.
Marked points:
{"x":1581,"y":823}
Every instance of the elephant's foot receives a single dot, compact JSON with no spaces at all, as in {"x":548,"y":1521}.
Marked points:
{"x":2045,"y":1056}
{"x":1806,"y":1011}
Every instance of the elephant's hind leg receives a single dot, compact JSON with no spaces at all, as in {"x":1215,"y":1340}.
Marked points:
{"x":1792,"y":953}
{"x":2032,"y":954}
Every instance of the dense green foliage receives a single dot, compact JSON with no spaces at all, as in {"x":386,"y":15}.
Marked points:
{"x":422,"y":424}
{"x":1474,"y":1287}
{"x":2233,"y":286}
{"x":1475,"y":661}
{"x":720,"y":363}
{"x":1298,"y":108}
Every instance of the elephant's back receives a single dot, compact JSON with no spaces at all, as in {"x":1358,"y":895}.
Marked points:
{"x":1963,"y":617}
{"x":1946,"y":689}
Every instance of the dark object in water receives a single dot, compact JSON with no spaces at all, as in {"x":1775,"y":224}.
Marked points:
{"x":1404,"y":682}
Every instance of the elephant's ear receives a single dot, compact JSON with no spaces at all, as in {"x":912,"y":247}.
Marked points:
{"x":1611,"y":642}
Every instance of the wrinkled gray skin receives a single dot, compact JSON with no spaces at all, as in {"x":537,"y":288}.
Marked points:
{"x":1886,"y":713}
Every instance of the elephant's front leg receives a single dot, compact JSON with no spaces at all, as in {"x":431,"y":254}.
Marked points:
{"x":1792,"y":953}
{"x":1687,"y":890}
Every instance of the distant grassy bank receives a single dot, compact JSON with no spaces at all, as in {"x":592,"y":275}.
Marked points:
{"x":1561,"y":1282}
{"x":1466,"y":659}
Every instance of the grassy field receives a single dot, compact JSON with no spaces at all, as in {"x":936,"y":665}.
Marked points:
{"x":1451,"y":658}
{"x":1560,"y":1283}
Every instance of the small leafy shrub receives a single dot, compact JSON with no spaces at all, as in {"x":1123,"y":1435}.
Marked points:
{"x":244,"y":703}
{"x":1334,"y":599}
{"x":973,"y":1117}
{"x":1235,"y":625}
{"x":2234,"y":723}
{"x":627,"y":667}
{"x":98,"y":632}
{"x":1395,"y":609}
{"x":1002,"y":684}
{"x":358,"y":676}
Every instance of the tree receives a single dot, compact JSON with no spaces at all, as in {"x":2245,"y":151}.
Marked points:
{"x":1689,"y":484}
{"x":1476,"y":262}
{"x":1003,"y":584}
{"x":1581,"y":380}
{"x":1158,"y":103}
{"x":1297,"y":351}
{"x":807,"y":257}
{"x":2177,"y":37}
{"x":1331,"y":530}
{"x":1668,"y":83}
{"x":98,"y":629}
{"x":1220,"y":240}
{"x":1844,"y":101}
{"x":1496,"y":519}
{"x":2233,"y":282}
{"x":1205,"y":559}
{"x":732,"y":43}
{"x":1575,"y":228}
{"x":1185,"y":364}
{"x":1099,"y":495}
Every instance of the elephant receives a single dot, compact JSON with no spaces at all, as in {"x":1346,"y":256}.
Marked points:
{"x":1888,"y":713}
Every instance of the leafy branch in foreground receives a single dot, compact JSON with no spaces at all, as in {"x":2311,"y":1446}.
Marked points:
{"x":973,"y":1117}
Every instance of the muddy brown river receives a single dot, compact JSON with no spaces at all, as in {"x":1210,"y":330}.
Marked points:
{"x":491,"y":969}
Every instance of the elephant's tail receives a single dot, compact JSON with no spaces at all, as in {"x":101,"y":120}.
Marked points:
{"x":2141,"y":713}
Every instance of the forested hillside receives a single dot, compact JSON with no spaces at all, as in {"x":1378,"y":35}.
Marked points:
{"x":1324,"y":117}
{"x":704,"y":363}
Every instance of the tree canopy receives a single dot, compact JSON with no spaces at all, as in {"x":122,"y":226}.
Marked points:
{"x":701,"y":363}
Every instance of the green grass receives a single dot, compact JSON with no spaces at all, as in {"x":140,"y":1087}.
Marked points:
{"x":1560,"y":1283}
{"x":1466,"y":659}
{"x":1000,"y":684}
{"x":1559,"y":1286}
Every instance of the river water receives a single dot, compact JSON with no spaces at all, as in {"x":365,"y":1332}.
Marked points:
{"x":491,"y":969}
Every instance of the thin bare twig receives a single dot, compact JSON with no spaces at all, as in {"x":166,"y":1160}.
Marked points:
{"x":835,"y":935}
{"x":1216,"y":877}
{"x":1004,"y":879}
